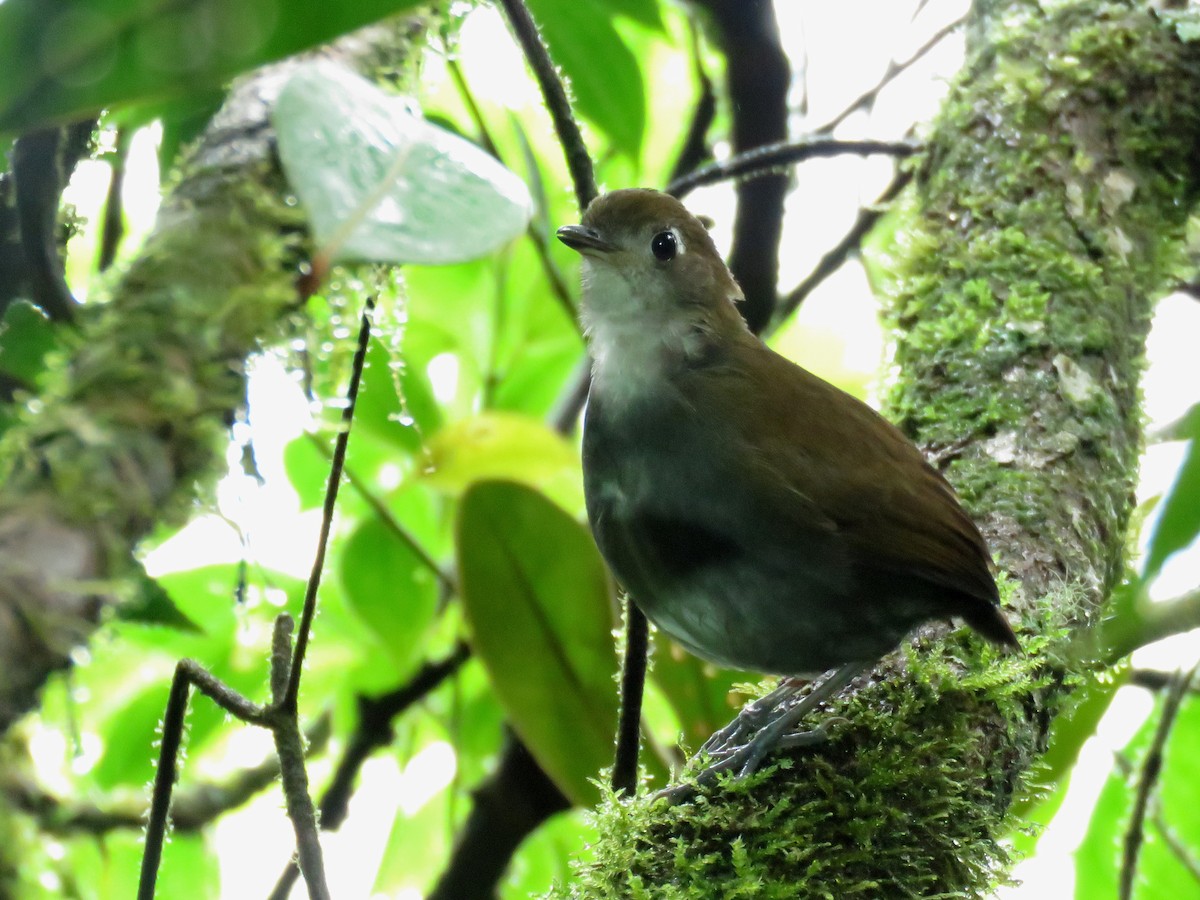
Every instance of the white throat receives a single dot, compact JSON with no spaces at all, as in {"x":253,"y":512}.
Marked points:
{"x":634,"y":336}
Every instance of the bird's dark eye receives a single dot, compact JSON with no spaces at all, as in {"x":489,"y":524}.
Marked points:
{"x":663,"y":245}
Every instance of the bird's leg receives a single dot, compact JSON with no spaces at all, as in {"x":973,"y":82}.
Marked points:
{"x":749,"y":720}
{"x":746,"y":758}
{"x":775,"y":734}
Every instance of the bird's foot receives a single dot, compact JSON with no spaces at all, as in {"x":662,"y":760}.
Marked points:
{"x":763,"y":727}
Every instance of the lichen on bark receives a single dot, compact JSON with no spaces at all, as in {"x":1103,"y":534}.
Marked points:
{"x":1048,"y":215}
{"x":131,"y":418}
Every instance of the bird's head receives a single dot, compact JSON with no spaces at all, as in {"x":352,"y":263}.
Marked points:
{"x":653,"y":281}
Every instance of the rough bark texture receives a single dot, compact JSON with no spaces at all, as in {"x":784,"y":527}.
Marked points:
{"x":1046,"y":218}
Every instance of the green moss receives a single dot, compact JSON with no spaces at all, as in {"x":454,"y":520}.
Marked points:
{"x":1064,"y":189}
{"x":839,"y":822}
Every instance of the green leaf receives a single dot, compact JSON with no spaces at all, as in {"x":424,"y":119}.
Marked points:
{"x":131,"y":735}
{"x":26,"y":336}
{"x":61,"y":61}
{"x":402,"y":422}
{"x":603,"y":73}
{"x":382,"y":185}
{"x":417,"y":848}
{"x":647,"y":13}
{"x":152,"y":605}
{"x":1043,"y":795}
{"x":1161,"y":876}
{"x":1179,"y":516}
{"x":507,"y":446}
{"x":537,"y":599}
{"x":389,"y":588}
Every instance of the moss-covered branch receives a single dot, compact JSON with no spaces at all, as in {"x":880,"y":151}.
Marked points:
{"x":1046,"y":218}
{"x":132,"y":422}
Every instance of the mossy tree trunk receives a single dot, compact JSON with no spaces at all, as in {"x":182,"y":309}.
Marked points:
{"x":1048,"y":215}
{"x":129,"y":431}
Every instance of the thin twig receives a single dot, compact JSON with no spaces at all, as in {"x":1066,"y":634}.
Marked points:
{"x":1154,"y":680}
{"x":771,"y":158}
{"x":1148,"y":780}
{"x":388,"y":518}
{"x":164,"y":781}
{"x":558,"y":284}
{"x":894,"y":69}
{"x":224,"y":696}
{"x":191,"y":809}
{"x":374,"y":730}
{"x":579,"y":162}
{"x":112,"y":225}
{"x":338,"y":463}
{"x":289,"y":747}
{"x":833,"y":260}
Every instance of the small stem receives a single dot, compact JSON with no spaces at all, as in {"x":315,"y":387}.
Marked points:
{"x":288,"y":701}
{"x":769,"y":159}
{"x":579,"y":162}
{"x":1151,"y":770}
{"x":290,"y":748}
{"x":164,"y":780}
{"x":833,"y":260}
{"x":1150,"y":622}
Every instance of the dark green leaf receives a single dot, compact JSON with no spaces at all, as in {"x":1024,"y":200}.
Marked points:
{"x":537,"y":598}
{"x":152,"y":605}
{"x":382,"y":185}
{"x":26,"y":336}
{"x":396,"y":402}
{"x":389,"y":588}
{"x":603,"y":73}
{"x":61,"y":61}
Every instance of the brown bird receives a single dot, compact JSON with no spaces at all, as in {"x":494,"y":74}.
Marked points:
{"x":759,"y":515}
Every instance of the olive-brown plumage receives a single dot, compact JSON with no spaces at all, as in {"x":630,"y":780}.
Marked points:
{"x":759,"y":515}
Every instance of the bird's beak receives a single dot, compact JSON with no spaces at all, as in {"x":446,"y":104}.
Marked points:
{"x":586,"y":240}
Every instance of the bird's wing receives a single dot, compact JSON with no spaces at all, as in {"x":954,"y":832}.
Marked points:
{"x":845,"y":466}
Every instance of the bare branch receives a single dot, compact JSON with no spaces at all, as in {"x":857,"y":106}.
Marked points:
{"x":773,"y":158}
{"x":867,"y":99}
{"x":841,"y":251}
{"x":375,"y":717}
{"x":1148,"y":780}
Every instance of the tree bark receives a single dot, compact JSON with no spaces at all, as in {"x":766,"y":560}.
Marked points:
{"x":1047,"y":216}
{"x":131,"y":430}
